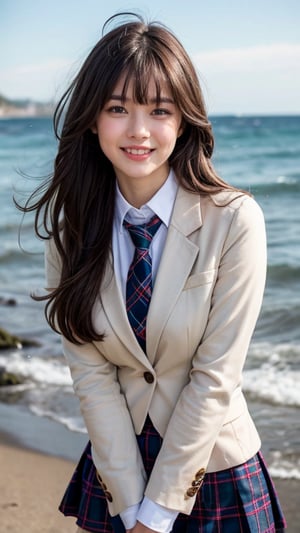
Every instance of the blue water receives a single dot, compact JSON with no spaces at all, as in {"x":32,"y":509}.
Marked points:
{"x":259,"y":154}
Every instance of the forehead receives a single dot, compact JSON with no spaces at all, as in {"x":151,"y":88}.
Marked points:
{"x":142,"y":91}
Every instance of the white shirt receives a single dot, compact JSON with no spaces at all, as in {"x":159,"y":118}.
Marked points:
{"x":161,"y":204}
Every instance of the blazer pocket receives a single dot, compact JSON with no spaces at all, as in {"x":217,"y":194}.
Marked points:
{"x":201,"y":278}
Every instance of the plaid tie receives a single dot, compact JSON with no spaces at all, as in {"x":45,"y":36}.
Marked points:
{"x":139,"y":279}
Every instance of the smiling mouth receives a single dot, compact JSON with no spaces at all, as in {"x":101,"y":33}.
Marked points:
{"x":137,"y":151}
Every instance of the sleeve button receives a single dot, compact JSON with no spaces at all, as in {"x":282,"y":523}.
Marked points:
{"x":191,"y":492}
{"x":200,"y":474}
{"x":108,"y":495}
{"x":197,"y":483}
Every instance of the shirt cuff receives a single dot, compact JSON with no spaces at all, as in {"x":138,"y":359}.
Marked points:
{"x":156,"y":516}
{"x":129,"y":516}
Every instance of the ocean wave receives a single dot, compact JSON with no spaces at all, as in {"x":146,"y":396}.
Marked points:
{"x":284,"y":467}
{"x":13,"y":256}
{"x":14,"y":224}
{"x":72,"y":423}
{"x":272,"y":373}
{"x":286,"y":186}
{"x":35,"y":369}
{"x":275,"y":382}
{"x":274,"y":376}
{"x":279,"y":323}
{"x":283,"y":272}
{"x":290,"y":179}
{"x":272,"y":153}
{"x":266,"y":351}
{"x":10,"y":255}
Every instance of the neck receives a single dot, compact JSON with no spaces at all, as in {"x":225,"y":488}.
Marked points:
{"x":140,"y":191}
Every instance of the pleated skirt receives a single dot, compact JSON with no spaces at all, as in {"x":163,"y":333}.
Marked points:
{"x":237,"y":500}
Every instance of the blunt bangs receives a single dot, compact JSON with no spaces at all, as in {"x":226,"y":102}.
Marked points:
{"x":141,"y":74}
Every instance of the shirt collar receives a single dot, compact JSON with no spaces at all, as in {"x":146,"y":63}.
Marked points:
{"x":161,"y":204}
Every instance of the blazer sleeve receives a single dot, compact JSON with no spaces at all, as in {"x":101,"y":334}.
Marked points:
{"x":114,"y":446}
{"x":217,"y":364}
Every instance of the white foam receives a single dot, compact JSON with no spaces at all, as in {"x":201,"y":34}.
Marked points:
{"x":284,"y":468}
{"x":274,"y":352}
{"x":284,"y":471}
{"x":74,"y":423}
{"x":50,"y":372}
{"x":285,"y":179}
{"x":276,"y":379}
{"x":276,"y":385}
{"x":273,"y":379}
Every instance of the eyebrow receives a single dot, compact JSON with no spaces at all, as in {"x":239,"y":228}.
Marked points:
{"x":161,"y":100}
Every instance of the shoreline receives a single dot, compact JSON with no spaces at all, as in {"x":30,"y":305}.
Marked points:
{"x":22,"y":429}
{"x":37,"y":458}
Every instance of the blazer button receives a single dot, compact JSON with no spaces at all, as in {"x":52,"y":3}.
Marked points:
{"x":149,"y":378}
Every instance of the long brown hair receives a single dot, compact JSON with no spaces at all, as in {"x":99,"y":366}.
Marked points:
{"x":75,"y":207}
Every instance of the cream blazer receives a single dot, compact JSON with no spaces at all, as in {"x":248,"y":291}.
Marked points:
{"x":204,"y":307}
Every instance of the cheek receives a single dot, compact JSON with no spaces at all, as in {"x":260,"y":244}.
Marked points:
{"x":166,"y":134}
{"x":107,"y":135}
{"x":106,"y":124}
{"x":169,"y":138}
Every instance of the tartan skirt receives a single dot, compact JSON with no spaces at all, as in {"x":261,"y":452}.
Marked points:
{"x":241,"y":499}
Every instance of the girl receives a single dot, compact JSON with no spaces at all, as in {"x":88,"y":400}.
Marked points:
{"x":155,"y":272}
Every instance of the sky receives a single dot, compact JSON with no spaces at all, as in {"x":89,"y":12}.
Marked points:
{"x":247,"y":52}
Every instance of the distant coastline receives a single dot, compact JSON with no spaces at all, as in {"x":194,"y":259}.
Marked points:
{"x":29,"y":108}
{"x":24,"y":108}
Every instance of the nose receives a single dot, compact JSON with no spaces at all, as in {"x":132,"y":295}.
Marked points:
{"x":138,"y":126}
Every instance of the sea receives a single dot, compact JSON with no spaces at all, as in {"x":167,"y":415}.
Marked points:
{"x":260,"y":154}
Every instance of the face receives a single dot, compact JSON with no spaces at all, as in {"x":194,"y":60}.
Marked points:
{"x":139,"y":139}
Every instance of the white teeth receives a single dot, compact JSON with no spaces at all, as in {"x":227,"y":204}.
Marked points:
{"x":135,"y":151}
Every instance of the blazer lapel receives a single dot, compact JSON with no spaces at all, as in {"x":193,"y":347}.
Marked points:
{"x":176,"y":263}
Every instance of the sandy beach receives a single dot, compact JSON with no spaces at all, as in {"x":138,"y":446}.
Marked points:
{"x":32,"y":484}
